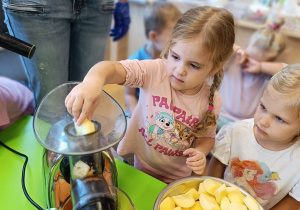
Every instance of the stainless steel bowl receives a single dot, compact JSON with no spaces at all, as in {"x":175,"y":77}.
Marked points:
{"x":181,"y":186}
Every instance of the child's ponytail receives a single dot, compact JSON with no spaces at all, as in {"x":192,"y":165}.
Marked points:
{"x":269,"y":39}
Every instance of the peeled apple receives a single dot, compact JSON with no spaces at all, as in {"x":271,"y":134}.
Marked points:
{"x":184,"y":200}
{"x":250,"y":203}
{"x":167,"y":204}
{"x":236,"y":206}
{"x":85,"y":128}
{"x":211,"y":186}
{"x":208,"y":202}
{"x":220,"y":193}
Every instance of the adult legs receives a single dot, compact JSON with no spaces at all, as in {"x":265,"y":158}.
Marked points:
{"x":89,"y":35}
{"x":46,"y":24}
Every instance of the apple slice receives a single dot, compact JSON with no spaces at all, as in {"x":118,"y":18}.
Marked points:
{"x":184,"y":200}
{"x":236,"y":197}
{"x":167,"y":204}
{"x":224,"y":203}
{"x":194,"y":192}
{"x":232,"y":189}
{"x":251,"y":203}
{"x":236,"y":206}
{"x":85,"y":128}
{"x":220,"y":193}
{"x":208,"y":202}
{"x":201,"y":189}
{"x":197,"y":206}
{"x":211,"y":186}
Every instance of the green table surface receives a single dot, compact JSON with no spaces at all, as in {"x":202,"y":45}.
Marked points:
{"x":140,"y":187}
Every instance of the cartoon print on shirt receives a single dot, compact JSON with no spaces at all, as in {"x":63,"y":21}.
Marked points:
{"x":163,"y":123}
{"x":159,"y":130}
{"x":246,"y":175}
{"x":180,"y":136}
{"x":268,"y":174}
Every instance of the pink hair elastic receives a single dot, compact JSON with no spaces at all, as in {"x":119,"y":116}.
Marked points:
{"x":274,"y":26}
{"x":210,"y":108}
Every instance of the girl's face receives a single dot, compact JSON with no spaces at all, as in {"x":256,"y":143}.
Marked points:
{"x":276,"y":124}
{"x":188,"y":66}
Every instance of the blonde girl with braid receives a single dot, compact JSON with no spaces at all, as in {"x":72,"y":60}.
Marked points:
{"x":247,"y":72}
{"x":173,"y":126}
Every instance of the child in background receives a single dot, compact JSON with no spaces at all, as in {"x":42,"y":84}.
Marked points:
{"x":159,"y":21}
{"x":262,"y":155}
{"x":16,"y":100}
{"x":245,"y":78}
{"x":174,"y":124}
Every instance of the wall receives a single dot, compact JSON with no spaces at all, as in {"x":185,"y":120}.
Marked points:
{"x":136,"y":37}
{"x":291,"y":53}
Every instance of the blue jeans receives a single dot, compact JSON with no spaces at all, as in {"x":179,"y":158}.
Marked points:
{"x":70,"y":37}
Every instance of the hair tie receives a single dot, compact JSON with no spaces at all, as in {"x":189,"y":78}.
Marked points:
{"x":210,"y":108}
{"x":260,"y":36}
{"x":263,"y":37}
{"x":274,"y":26}
{"x":277,"y":73}
{"x":276,"y":46}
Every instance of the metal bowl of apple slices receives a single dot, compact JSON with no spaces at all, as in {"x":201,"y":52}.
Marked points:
{"x":204,"y":192}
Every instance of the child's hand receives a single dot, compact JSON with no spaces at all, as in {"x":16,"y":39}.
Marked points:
{"x":85,"y":97}
{"x":252,"y":66}
{"x":196,"y":160}
{"x":240,"y":52}
{"x":242,"y":56}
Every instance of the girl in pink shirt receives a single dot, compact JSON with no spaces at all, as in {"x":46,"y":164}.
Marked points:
{"x":173,"y":126}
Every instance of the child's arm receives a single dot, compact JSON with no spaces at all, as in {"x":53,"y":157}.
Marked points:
{"x":216,"y":168}
{"x":254,"y":66}
{"x":130,"y":98}
{"x":197,"y":155}
{"x":287,"y":202}
{"x":86,"y":95}
{"x":271,"y":68}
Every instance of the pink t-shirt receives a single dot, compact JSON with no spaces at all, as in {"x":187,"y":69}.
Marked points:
{"x":16,"y":100}
{"x":161,"y":118}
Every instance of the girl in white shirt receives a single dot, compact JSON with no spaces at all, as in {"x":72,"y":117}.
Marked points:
{"x":262,"y":155}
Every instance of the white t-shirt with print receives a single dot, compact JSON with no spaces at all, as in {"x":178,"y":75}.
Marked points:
{"x":267,"y":175}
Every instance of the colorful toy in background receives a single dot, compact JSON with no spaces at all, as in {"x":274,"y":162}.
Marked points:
{"x":260,"y":11}
{"x":290,"y":11}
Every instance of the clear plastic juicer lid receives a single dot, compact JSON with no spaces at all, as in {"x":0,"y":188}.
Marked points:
{"x":54,"y":126}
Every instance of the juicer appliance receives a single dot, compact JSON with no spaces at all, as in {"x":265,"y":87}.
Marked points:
{"x":79,"y":171}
